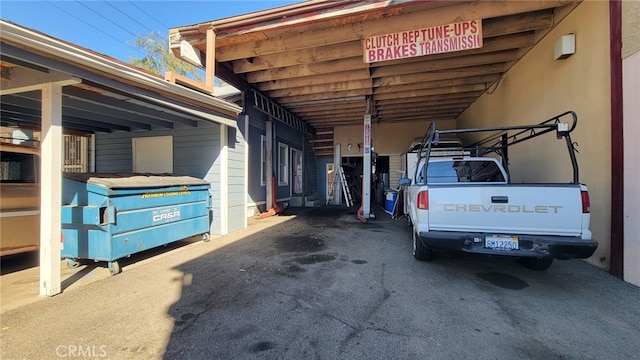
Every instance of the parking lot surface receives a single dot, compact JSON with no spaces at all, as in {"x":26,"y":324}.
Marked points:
{"x":316,"y":283}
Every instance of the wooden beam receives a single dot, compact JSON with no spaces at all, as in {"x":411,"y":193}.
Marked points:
{"x":348,"y":111}
{"x":294,"y":39}
{"x":360,"y":104}
{"x":417,"y":112}
{"x":429,"y":97}
{"x":299,"y":57}
{"x":190,"y":83}
{"x":314,"y":89}
{"x":425,"y":104}
{"x":333,"y":66}
{"x":427,"y":92}
{"x":423,"y":81}
{"x":210,"y":59}
{"x":516,"y":23}
{"x":350,"y":75}
{"x":461,"y":62}
{"x":25,"y":80}
{"x":336,"y":95}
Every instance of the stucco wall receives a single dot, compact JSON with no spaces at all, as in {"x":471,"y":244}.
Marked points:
{"x":630,"y":28}
{"x":631,"y":86}
{"x":538,"y":88}
{"x":387,"y":138}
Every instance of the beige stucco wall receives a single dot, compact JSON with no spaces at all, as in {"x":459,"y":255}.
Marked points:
{"x":630,"y":28}
{"x":538,"y":88}
{"x":387,"y":138}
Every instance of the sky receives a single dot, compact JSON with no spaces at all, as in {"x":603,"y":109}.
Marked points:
{"x":110,"y":27}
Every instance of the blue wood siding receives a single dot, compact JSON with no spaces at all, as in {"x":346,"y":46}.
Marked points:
{"x":286,"y":135}
{"x":256,"y":191}
{"x":236,"y":179}
{"x":196,"y":152}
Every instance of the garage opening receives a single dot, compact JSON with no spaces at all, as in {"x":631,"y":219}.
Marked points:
{"x":353,"y":172}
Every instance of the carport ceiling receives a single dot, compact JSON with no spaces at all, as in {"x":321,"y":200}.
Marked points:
{"x":99,"y":94}
{"x":92,"y":108}
{"x":309,"y":56}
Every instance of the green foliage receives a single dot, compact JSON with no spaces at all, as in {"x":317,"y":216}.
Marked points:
{"x":159,"y":58}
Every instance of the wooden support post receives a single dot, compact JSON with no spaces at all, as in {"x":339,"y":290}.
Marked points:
{"x":50,"y":189}
{"x":269,"y":164}
{"x":210,"y":64}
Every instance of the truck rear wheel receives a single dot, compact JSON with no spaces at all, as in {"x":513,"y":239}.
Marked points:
{"x":420,"y":252}
{"x":539,"y":264}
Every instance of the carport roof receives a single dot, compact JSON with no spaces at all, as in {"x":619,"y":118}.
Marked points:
{"x":309,"y":57}
{"x":102,"y":93}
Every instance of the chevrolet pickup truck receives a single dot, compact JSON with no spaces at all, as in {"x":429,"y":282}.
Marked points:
{"x":463,"y":201}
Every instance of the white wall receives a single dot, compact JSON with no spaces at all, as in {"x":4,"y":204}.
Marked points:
{"x":631,"y":86}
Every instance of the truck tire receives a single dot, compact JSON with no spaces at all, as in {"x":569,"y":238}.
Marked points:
{"x":420,"y":252}
{"x":539,"y":264}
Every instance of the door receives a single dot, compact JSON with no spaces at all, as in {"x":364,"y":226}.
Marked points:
{"x":296,"y":155}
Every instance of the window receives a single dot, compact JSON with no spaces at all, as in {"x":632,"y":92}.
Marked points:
{"x":463,"y":171}
{"x":263,"y":160}
{"x":283,"y":164}
{"x":18,"y":168}
{"x":153,"y":155}
{"x":76,"y":153}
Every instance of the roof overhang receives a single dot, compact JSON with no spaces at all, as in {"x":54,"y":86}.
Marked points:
{"x":103,"y":85}
{"x":309,"y":57}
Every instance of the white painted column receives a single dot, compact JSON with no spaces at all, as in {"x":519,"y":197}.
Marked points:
{"x":224,"y":179}
{"x":246,"y":168}
{"x":269,"y":165}
{"x":50,"y":189}
{"x":366,"y":168}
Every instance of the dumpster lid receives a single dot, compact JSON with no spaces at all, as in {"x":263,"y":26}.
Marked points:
{"x":133,"y":180}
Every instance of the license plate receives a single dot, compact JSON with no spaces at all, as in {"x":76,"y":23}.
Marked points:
{"x":501,"y":242}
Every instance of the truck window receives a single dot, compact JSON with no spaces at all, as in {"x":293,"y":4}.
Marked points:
{"x":463,"y":171}
{"x":18,"y":168}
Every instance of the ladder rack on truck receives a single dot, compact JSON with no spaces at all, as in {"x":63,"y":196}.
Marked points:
{"x":499,"y":143}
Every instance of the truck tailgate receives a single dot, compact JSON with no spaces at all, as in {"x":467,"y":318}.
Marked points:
{"x":553,"y":209}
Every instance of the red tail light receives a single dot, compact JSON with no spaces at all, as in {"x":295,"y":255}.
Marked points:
{"x":423,"y":200}
{"x":586,"y":204}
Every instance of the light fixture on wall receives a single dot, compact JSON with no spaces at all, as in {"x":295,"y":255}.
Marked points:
{"x":564,"y":47}
{"x":349,"y":147}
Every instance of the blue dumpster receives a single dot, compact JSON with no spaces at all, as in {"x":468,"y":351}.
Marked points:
{"x":106,"y":217}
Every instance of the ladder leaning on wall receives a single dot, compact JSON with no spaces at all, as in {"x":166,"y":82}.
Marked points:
{"x":339,"y":178}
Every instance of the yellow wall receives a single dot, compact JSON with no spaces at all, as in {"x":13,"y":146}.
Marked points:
{"x":538,"y":88}
{"x":387,"y":138}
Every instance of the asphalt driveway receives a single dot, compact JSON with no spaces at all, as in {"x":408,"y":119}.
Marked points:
{"x":318,"y":284}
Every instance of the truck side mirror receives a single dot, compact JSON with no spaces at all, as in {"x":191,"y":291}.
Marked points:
{"x":404,"y":181}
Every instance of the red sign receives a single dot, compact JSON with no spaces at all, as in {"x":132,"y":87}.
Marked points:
{"x":428,"y":41}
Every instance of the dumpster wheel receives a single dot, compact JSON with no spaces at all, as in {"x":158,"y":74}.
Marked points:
{"x":114,"y":268}
{"x":206,"y":237}
{"x":72,"y":263}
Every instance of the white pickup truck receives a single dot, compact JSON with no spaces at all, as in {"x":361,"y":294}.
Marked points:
{"x":456,"y":201}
